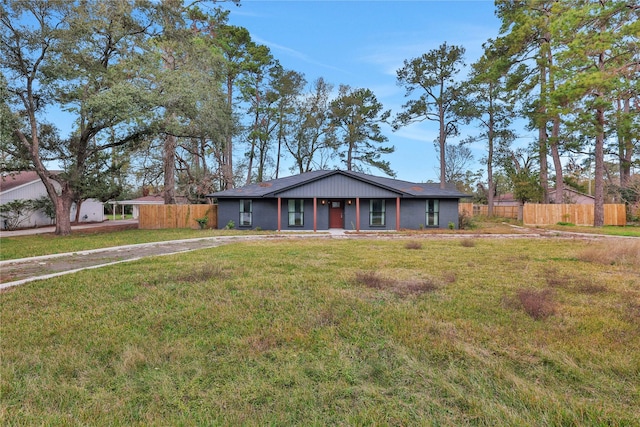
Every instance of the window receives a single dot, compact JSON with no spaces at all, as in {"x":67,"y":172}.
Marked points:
{"x":296,"y":213}
{"x":376,"y":213}
{"x":245,"y":213}
{"x":433,"y":213}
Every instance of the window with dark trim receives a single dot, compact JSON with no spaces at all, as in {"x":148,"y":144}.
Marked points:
{"x":245,"y":213}
{"x":376,"y":212}
{"x":433,"y":213}
{"x":296,"y":212}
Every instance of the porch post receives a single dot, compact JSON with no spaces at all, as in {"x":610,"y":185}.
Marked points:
{"x":357,"y":213}
{"x":315,"y":214}
{"x":397,"y":213}
{"x":279,"y":214}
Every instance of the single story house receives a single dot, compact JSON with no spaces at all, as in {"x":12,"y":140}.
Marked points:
{"x":571,"y":196}
{"x":325,"y":199}
{"x":28,"y":186}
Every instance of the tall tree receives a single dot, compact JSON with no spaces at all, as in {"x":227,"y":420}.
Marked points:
{"x":287,"y":86}
{"x":311,"y":131}
{"x":357,"y":114}
{"x":600,"y":47}
{"x":526,"y":40}
{"x":84,"y":58}
{"x":233,"y":43}
{"x":434,"y":73}
{"x":488,"y":102}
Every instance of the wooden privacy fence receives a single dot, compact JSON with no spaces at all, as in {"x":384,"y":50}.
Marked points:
{"x":538,"y":214}
{"x":499,"y":211}
{"x":154,"y":217}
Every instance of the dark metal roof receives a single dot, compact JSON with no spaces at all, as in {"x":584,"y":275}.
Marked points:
{"x":270,"y":189}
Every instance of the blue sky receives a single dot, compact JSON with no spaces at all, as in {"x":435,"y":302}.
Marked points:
{"x":362,"y":44}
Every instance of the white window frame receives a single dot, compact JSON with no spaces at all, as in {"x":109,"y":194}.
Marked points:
{"x":296,"y":218}
{"x":432,"y":214}
{"x":377,"y":218}
{"x":246,"y":218}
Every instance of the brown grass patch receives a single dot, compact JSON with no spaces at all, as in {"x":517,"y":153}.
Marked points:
{"x":618,"y":252}
{"x":413,"y":245}
{"x":373,"y":280}
{"x":556,"y":279}
{"x":468,"y":243}
{"x":539,"y":304}
{"x":591,"y":288}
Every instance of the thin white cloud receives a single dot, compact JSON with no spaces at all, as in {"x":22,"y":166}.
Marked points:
{"x":287,"y":51}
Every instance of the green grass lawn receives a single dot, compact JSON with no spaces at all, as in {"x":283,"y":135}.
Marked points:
{"x":341,"y":332}
{"x":611,"y":230}
{"x":46,"y":244}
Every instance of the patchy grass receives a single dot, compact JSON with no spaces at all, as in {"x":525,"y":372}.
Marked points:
{"x":622,"y":252}
{"x":283,"y":333}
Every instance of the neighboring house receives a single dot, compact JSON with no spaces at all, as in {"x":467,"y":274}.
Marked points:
{"x":325,"y":199}
{"x":157,"y":199}
{"x":28,"y":186}
{"x":506,"y":199}
{"x":571,"y":196}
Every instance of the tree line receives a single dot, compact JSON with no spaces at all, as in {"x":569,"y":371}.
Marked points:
{"x":176,"y":96}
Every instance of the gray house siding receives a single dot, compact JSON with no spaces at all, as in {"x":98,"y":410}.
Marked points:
{"x":414,"y":213}
{"x":336,"y":186}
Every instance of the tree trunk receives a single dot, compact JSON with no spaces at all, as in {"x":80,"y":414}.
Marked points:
{"x":169,"y":168}
{"x":78,"y":207}
{"x":442,"y":141}
{"x":557,"y":163}
{"x":63,"y":204}
{"x":227,"y":168}
{"x":625,"y":145}
{"x":542,"y":133}
{"x":598,"y":215}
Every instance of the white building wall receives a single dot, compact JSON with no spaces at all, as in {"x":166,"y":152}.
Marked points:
{"x":90,"y":211}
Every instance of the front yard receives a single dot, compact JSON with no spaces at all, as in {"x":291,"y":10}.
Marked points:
{"x":349,"y":332}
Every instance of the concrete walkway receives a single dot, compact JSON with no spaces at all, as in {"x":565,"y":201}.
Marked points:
{"x":52,"y":228}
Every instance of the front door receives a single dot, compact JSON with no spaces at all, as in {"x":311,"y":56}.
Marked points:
{"x":336,"y":214}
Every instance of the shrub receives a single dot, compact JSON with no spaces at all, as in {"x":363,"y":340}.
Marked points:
{"x":16,"y":212}
{"x":465,"y":221}
{"x":202,"y":222}
{"x":452,"y":226}
{"x":230,"y":225}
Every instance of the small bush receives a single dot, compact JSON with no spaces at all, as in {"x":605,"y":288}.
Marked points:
{"x":413,"y":245}
{"x":465,"y":221}
{"x":452,"y":226}
{"x":538,"y":304}
{"x":230,"y":225}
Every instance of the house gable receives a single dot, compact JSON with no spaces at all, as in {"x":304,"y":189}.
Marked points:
{"x":337,"y":186}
